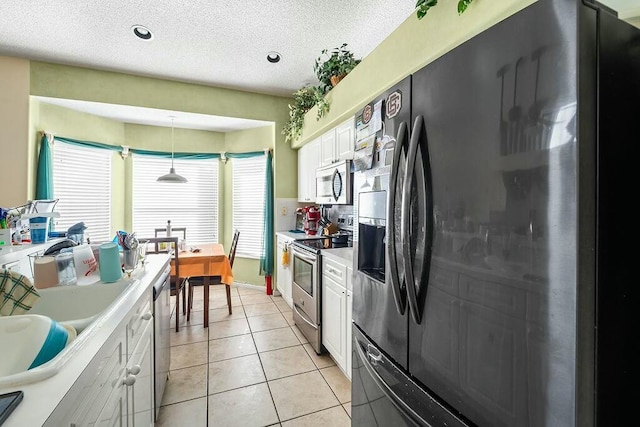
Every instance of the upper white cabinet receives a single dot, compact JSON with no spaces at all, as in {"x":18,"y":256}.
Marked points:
{"x":337,"y":144}
{"x":308,"y":162}
{"x":328,"y":148}
{"x":345,"y":140}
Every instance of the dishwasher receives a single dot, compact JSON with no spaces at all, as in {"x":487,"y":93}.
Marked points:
{"x":161,"y":333}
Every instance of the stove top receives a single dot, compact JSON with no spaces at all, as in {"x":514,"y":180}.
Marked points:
{"x":316,"y":245}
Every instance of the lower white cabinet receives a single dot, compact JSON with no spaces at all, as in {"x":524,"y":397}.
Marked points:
{"x":337,"y":304}
{"x":119,"y":386}
{"x":284,"y":273}
{"x":139,"y":381}
{"x":348,"y":332}
{"x":334,"y":317}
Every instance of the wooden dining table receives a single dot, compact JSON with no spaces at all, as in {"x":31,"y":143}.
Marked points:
{"x":207,"y":260}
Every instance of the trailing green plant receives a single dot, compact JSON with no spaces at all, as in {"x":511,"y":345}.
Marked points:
{"x":339,"y":62}
{"x":303,"y":100}
{"x":423,"y":6}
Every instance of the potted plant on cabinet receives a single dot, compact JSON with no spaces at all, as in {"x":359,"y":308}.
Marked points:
{"x":303,"y":100}
{"x":330,"y":68}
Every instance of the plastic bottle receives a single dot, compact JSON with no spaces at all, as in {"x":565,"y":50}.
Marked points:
{"x":169,"y":228}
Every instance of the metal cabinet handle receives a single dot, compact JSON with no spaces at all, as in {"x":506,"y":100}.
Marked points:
{"x":130,"y":380}
{"x":135,"y":370}
{"x":147,"y":316}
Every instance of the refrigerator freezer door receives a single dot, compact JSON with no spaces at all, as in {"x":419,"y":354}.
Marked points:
{"x":385,"y":396}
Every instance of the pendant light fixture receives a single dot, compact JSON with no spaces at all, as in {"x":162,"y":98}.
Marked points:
{"x":172,"y":176}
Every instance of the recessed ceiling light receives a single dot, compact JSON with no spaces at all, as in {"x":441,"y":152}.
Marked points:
{"x":273,"y":57}
{"x":142,"y":32}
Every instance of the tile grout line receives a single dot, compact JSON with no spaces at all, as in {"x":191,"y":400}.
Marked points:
{"x":275,"y":408}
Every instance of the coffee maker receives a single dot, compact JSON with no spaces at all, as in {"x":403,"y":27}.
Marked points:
{"x":313,"y":220}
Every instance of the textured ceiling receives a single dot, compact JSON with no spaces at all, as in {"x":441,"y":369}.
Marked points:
{"x":219,"y":43}
{"x":212,"y":42}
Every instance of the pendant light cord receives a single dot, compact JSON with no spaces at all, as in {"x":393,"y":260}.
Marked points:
{"x":172,"y":142}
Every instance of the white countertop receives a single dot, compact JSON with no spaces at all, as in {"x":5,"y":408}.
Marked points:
{"x":342,"y":255}
{"x":297,"y":236}
{"x":42,"y":398}
{"x":14,"y":252}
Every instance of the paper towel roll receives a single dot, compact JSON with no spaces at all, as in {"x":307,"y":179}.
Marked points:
{"x":45,"y":272}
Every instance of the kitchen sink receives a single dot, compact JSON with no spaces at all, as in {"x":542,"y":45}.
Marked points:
{"x":77,"y":306}
{"x":85,"y":308}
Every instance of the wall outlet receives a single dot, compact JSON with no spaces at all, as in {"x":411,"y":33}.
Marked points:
{"x":284,"y":211}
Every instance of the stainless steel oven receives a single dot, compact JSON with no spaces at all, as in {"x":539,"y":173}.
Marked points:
{"x":306,"y":292}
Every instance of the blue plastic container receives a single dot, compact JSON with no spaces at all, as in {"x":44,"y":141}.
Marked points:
{"x":39,"y":229}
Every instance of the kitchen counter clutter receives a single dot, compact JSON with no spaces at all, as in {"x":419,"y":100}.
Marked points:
{"x":106,"y":372}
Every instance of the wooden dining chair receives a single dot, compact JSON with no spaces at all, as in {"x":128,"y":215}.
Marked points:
{"x":178,"y":284}
{"x":213,"y":280}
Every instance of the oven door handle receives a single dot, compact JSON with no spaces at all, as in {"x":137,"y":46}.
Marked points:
{"x":302,"y":255}
{"x":304,"y":316}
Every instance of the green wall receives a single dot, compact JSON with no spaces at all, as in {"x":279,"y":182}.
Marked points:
{"x":244,"y":269}
{"x":410,"y":47}
{"x":73,"y":124}
{"x":60,"y":81}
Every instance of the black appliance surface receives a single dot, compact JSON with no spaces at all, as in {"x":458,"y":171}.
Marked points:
{"x":318,"y":244}
{"x":375,"y":299}
{"x":507,"y":282}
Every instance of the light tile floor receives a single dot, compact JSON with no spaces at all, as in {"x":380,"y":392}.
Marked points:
{"x":251,"y":368}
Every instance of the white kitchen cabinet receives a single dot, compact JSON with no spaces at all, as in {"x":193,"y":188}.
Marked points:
{"x":345,"y":140}
{"x":140,"y":411}
{"x":119,"y":387}
{"x":284,"y":278}
{"x":349,"y":324}
{"x":308,"y":162}
{"x":104,"y":396}
{"x":338,"y":143}
{"x":334,"y":315}
{"x":336,"y":312}
{"x":328,"y":148}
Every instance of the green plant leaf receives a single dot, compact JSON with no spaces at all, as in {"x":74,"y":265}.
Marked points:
{"x":304,"y":99}
{"x":423,"y":7}
{"x":339,"y":61}
{"x":462,"y":5}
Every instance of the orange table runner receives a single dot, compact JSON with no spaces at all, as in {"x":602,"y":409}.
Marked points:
{"x":210,"y":261}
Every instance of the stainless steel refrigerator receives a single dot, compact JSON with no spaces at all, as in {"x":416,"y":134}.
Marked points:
{"x":503,"y":292}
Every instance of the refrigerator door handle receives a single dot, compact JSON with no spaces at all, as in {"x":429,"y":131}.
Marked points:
{"x":396,"y":285}
{"x":384,"y":387}
{"x":409,"y":173}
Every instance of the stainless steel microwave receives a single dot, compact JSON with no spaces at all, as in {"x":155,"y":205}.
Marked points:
{"x":334,"y":184}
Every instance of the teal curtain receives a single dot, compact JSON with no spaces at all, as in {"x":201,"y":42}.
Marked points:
{"x":266,"y":257}
{"x":244,"y":155}
{"x":44,"y":173}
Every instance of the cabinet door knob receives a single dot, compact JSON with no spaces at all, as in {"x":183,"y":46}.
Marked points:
{"x":147,"y":316}
{"x":135,"y":369}
{"x":130,"y":380}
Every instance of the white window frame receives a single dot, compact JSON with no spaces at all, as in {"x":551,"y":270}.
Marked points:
{"x":193,"y":204}
{"x":82,"y":183}
{"x":248,"y":190}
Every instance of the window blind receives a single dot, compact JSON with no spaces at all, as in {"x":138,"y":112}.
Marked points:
{"x":193,"y":204}
{"x":248,"y":204}
{"x":82,"y":182}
